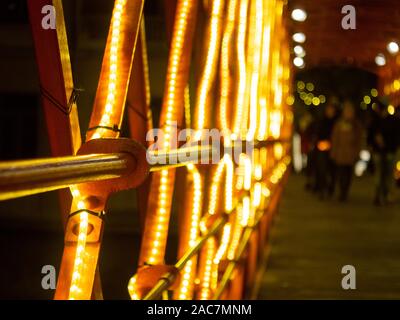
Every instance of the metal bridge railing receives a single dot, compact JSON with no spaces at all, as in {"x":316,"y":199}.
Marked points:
{"x":242,"y":82}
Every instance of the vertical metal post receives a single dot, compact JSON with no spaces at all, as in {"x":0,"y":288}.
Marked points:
{"x":56,"y":85}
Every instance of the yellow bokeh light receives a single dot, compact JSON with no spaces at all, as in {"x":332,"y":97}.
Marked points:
{"x":315,"y":101}
{"x":396,"y":85}
{"x":367,"y":99}
{"x":310,"y":86}
{"x":290,"y":100}
{"x":301,"y":85}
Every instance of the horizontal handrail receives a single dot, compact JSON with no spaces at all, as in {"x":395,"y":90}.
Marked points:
{"x":174,"y":158}
{"x":27,"y":177}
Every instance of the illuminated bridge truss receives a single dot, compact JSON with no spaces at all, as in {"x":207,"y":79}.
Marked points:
{"x":242,"y":84}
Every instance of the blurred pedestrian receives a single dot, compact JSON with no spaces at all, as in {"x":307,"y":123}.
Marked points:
{"x":325,"y":167}
{"x":307,"y":129}
{"x":383,"y":139}
{"x":346,"y":146}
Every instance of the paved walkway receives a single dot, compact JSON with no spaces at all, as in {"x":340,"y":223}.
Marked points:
{"x":311,"y":240}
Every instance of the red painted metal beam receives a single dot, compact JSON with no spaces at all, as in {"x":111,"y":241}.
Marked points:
{"x":56,"y":84}
{"x":139,"y":112}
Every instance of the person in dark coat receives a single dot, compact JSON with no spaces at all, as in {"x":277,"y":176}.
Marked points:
{"x":383,"y":139}
{"x":308,"y":130}
{"x":346,"y":146}
{"x":325,"y":167}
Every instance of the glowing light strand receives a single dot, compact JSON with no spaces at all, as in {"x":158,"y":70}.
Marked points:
{"x":225,"y":75}
{"x":241,"y":57}
{"x":255,"y":76}
{"x":113,"y":69}
{"x":75,"y":290}
{"x":185,"y":289}
{"x":209,"y":71}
